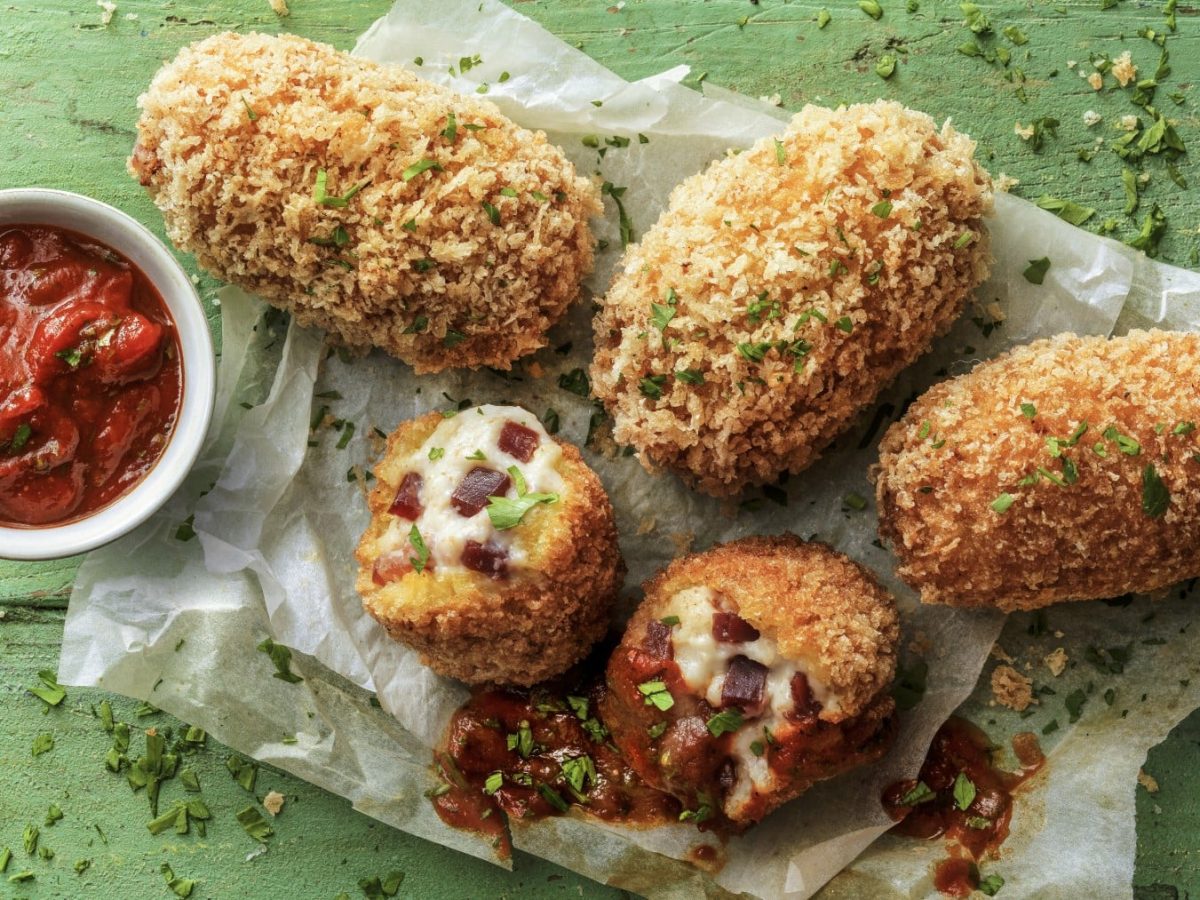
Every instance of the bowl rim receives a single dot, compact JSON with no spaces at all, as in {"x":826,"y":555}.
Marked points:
{"x":134,"y":241}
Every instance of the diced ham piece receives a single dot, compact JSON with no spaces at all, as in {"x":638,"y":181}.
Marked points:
{"x":407,"y":504}
{"x":745,"y":684}
{"x":658,"y":640}
{"x":392,"y":567}
{"x":518,"y":441}
{"x":730,"y":628}
{"x":473,"y":491}
{"x":807,"y":707}
{"x":488,"y":559}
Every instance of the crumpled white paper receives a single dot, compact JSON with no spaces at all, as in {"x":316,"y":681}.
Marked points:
{"x":277,"y":520}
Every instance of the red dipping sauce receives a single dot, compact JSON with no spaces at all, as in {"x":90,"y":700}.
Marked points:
{"x":90,"y":375}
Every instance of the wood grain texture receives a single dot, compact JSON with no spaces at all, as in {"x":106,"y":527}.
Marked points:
{"x":67,"y":110}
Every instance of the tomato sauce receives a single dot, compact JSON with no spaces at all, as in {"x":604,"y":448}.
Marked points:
{"x":524,"y":755}
{"x":960,"y":795}
{"x":90,"y":375}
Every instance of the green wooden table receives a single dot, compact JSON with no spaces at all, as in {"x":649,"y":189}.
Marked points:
{"x":67,"y":89}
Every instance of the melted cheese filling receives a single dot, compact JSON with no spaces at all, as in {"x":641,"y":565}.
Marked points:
{"x":461,"y":438}
{"x":704,"y":661}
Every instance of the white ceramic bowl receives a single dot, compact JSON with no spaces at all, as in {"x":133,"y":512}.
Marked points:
{"x":40,"y":206}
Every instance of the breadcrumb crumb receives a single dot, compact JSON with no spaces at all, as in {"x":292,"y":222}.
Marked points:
{"x":280,"y":8}
{"x":1124,"y":69}
{"x":1056,"y":661}
{"x":273,"y":802}
{"x":1148,"y":781}
{"x":1011,"y":688}
{"x":107,"y":10}
{"x":1091,"y":118}
{"x":1096,"y":80}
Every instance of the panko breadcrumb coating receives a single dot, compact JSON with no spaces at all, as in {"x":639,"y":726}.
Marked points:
{"x":463,"y":239}
{"x":784,"y":287}
{"x":1067,"y":469}
{"x":514,"y":606}
{"x":761,"y":636}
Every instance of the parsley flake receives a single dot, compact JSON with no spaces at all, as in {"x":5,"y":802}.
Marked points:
{"x":656,"y":694}
{"x":1035,"y":272}
{"x":726,"y":721}
{"x":1155,"y":495}
{"x":281,"y":656}
{"x":419,"y":167}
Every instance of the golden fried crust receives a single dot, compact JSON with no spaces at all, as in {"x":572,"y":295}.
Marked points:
{"x":533,"y":625}
{"x":750,"y":246}
{"x":440,"y":270}
{"x":820,"y":607}
{"x":1084,"y":540}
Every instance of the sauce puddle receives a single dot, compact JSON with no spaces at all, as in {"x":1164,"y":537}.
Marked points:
{"x":527,"y":754}
{"x":960,"y":795}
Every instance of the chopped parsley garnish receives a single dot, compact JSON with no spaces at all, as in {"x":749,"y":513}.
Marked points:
{"x":754,"y":352}
{"x":651,"y":386}
{"x":250,"y":113}
{"x":963,"y":239}
{"x":418,"y":167}
{"x":757,"y":748}
{"x":823,"y":18}
{"x":701,"y":813}
{"x":410,"y":225}
{"x":337,"y":238}
{"x":836,"y":268}
{"x":670,"y":621}
{"x":419,"y":324}
{"x":575,"y":381}
{"x":49,"y":691}
{"x":43,"y":743}
{"x":424,"y":265}
{"x":919,"y":793}
{"x":436,"y":453}
{"x":322,"y":196}
{"x":656,"y":730}
{"x":846,"y":324}
{"x":991,"y":885}
{"x":450,"y":132}
{"x":453,"y":338}
{"x":855,"y":501}
{"x":690,"y":376}
{"x":72,"y":357}
{"x":418,"y":543}
{"x":608,"y":189}
{"x":1035,"y":272}
{"x":656,"y":694}
{"x":522,"y":741}
{"x":1155,"y":496}
{"x":493,"y":213}
{"x":1002,"y":503}
{"x":726,"y":721}
{"x":551,"y":796}
{"x":20,"y":437}
{"x":1067,"y":210}
{"x":883,"y":209}
{"x":780,"y":152}
{"x":1029,"y":411}
{"x":579,"y":771}
{"x":281,"y":656}
{"x":871,"y":8}
{"x":1184,"y":428}
{"x":964,"y":791}
{"x":886,"y":66}
{"x":254,"y":824}
{"x":493,"y":783}
{"x":579,"y":706}
{"x":1125,"y":444}
{"x":507,"y":512}
{"x":661,"y":314}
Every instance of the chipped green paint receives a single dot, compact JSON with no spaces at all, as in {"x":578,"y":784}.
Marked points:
{"x":67,"y":92}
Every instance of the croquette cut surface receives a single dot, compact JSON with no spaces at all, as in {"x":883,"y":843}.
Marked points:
{"x":784,"y":287}
{"x":464,"y":237}
{"x":522,"y":605}
{"x":1067,"y":469}
{"x":752,"y":671}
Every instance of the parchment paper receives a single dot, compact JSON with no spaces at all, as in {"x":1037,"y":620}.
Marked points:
{"x":277,"y":520}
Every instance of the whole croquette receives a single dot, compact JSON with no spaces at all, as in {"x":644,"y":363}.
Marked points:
{"x":784,"y":287}
{"x":1068,"y":469}
{"x":492,"y":547}
{"x":388,"y":210}
{"x":752,"y":671}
